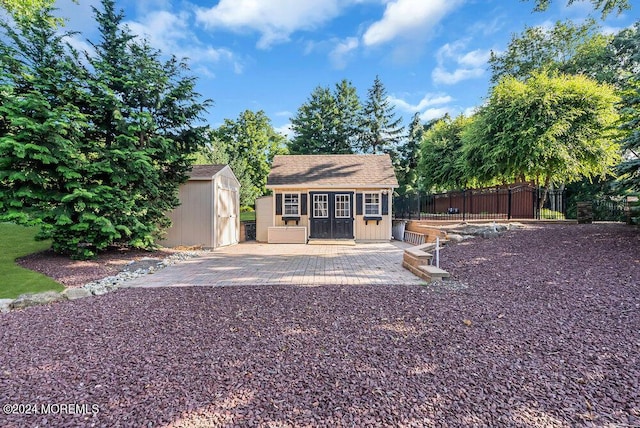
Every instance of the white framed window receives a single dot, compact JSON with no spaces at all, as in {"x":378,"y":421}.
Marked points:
{"x":372,"y":204}
{"x":343,"y":206}
{"x":321,"y":206}
{"x":291,"y":204}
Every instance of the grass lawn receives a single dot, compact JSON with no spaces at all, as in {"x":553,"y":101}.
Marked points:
{"x":17,"y":241}
{"x":248,"y":216}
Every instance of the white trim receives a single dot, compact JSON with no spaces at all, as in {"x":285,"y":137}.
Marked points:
{"x":313,"y":205}
{"x":284,"y":204}
{"x":364,"y":203}
{"x":335,"y":206}
{"x":332,"y":188}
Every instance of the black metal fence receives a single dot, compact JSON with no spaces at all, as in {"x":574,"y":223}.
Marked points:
{"x":507,"y":203}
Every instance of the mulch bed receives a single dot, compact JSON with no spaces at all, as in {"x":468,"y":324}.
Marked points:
{"x":546,"y":334}
{"x":75,"y":273}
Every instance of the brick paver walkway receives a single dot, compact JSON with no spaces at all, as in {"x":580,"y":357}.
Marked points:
{"x":296,"y":264}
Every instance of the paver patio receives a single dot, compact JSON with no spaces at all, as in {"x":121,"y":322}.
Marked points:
{"x":298,"y":264}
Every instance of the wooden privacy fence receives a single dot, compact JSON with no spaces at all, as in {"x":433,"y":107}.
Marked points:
{"x":520,"y":201}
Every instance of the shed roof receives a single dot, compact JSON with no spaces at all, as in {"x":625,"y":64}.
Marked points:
{"x":205,"y":171}
{"x":332,"y":171}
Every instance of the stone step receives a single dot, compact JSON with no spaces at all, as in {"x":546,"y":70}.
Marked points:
{"x":417,"y":259}
{"x":434,"y":273}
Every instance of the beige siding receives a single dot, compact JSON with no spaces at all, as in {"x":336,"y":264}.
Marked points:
{"x":371,"y":231}
{"x":287,"y":235}
{"x":264,"y":217}
{"x":362,"y":230}
{"x":193,"y":219}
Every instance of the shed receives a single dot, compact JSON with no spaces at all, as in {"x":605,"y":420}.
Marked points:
{"x":209,"y":211}
{"x":331,"y":197}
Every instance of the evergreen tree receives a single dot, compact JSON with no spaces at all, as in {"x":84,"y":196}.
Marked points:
{"x":380,"y":130}
{"x":94,"y":158}
{"x":45,"y":166}
{"x":409,"y":155}
{"x":348,"y":110}
{"x":314,"y":125}
{"x":328,"y":123}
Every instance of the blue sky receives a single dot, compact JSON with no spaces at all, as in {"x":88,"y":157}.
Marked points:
{"x":269,"y":55}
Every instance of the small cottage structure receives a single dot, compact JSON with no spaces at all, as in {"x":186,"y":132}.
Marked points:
{"x":209,"y":211}
{"x":331,"y":197}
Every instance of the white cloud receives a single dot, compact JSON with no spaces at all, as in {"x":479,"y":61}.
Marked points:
{"x":427,"y":101}
{"x":406,"y":18}
{"x":342,"y":51}
{"x":172,"y":34}
{"x":275,"y":20}
{"x":487,"y":28}
{"x":80,"y":45}
{"x":164,"y":30}
{"x":285,"y":130}
{"x":466,"y":65}
{"x":435,"y":113}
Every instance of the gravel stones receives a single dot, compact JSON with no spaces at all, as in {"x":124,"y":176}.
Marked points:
{"x":135,"y":269}
{"x":545,"y":332}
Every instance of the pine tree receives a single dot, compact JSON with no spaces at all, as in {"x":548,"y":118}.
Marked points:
{"x":348,"y":110}
{"x":381,"y":131}
{"x":314,"y":124}
{"x":47,"y":166}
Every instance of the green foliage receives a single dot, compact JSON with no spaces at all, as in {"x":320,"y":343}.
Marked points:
{"x":247,"y":216}
{"x":441,"y":167}
{"x":566,"y":48}
{"x":603,"y":6}
{"x":327,"y":123}
{"x":406,"y":163}
{"x":94,"y":158}
{"x":547,"y":214}
{"x":248,"y":144}
{"x":549,"y":129}
{"x":629,"y":169}
{"x":634,"y":208}
{"x":380,"y":130}
{"x":18,"y":241}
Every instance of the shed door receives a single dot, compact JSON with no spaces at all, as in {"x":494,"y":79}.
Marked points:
{"x":227,"y":208}
{"x":331,"y":215}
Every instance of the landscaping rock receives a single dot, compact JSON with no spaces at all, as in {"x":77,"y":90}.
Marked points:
{"x":454,"y":237}
{"x":4,"y":305}
{"x":26,"y":300}
{"x":76,"y":293}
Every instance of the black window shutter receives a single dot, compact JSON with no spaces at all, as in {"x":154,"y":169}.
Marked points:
{"x":385,"y":204}
{"x":278,"y":203}
{"x":358,"y":203}
{"x":303,"y":204}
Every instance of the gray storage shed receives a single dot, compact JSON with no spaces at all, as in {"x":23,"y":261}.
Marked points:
{"x":209,"y":214}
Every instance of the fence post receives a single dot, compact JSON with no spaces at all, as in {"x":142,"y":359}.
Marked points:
{"x":509,"y":204}
{"x":464,"y":205}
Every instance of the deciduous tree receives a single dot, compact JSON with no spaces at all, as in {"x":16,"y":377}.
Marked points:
{"x":551,"y":128}
{"x":251,"y":143}
{"x":441,"y":164}
{"x":603,"y":6}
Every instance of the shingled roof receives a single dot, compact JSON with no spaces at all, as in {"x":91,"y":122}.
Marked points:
{"x":205,"y":171}
{"x":332,"y":171}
